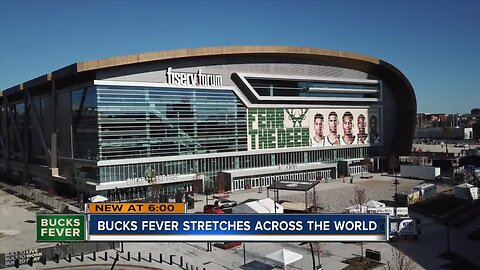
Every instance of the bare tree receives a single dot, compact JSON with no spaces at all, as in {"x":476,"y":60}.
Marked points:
{"x":220,"y":184}
{"x":151,"y":178}
{"x":359,"y":197}
{"x":318,"y":249}
{"x":365,"y":165}
{"x":400,"y":261}
{"x":316,"y":205}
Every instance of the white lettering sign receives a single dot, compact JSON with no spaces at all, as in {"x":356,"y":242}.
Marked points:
{"x":382,"y":210}
{"x":22,"y":256}
{"x":155,"y":180}
{"x":287,"y":167}
{"x":193,"y":79}
{"x":291,"y":183}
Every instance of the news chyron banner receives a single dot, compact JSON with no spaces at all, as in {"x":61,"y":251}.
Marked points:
{"x":169,"y":222}
{"x":72,"y":227}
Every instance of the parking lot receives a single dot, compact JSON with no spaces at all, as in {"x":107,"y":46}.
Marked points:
{"x":334,"y":195}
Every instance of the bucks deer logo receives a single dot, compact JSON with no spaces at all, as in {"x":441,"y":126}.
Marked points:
{"x":296,"y":118}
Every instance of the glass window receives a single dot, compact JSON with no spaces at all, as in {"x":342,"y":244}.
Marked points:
{"x":286,"y":88}
{"x":139,"y":122}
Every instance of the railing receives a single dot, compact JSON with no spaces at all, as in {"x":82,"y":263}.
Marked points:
{"x":36,"y":197}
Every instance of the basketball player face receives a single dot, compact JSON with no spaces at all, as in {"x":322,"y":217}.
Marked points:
{"x":361,"y":125}
{"x":318,"y":125}
{"x":347,"y":126}
{"x":332,"y":123}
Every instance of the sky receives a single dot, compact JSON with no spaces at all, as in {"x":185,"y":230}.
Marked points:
{"x":435,"y":44}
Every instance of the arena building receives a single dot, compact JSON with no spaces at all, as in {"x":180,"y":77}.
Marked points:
{"x":188,"y":120}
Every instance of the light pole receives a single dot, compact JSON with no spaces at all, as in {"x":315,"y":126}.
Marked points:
{"x":396,"y":184}
{"x":206,"y":194}
{"x":313,"y":256}
{"x":311,"y":251}
{"x":394,"y":160}
{"x":244,"y":256}
{"x":76,"y":181}
{"x":448,"y":236}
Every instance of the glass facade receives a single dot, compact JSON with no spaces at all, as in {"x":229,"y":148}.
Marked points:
{"x":84,"y":123}
{"x":18,"y":112}
{"x":118,"y":122}
{"x":209,"y":167}
{"x":41,"y":105}
{"x":138,"y":122}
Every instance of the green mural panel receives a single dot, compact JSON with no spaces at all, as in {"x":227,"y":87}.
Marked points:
{"x":271,"y":132}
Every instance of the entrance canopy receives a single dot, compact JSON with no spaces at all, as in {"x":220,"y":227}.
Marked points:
{"x":293,"y":185}
{"x":284,"y":257}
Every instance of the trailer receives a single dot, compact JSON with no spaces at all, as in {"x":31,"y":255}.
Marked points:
{"x":420,"y":172}
{"x":426,"y":191}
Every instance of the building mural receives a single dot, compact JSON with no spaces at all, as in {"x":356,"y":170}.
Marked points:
{"x":286,"y":128}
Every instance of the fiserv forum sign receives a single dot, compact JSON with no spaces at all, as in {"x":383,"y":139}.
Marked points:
{"x":193,"y":79}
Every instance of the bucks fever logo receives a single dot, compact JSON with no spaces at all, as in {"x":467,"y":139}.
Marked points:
{"x":270,"y":128}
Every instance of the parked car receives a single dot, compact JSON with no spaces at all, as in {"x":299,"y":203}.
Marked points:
{"x":464,"y":145}
{"x":225,"y":203}
{"x":212,"y":209}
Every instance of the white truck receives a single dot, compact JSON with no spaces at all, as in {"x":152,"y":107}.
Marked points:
{"x":420,"y":172}
{"x":404,"y":228}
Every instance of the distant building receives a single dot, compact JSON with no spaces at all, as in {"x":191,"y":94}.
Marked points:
{"x":476,"y":130}
{"x":440,"y":133}
{"x":440,"y":120}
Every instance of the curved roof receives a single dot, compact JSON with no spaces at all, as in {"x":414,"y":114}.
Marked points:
{"x":213,"y":51}
{"x":402,"y":88}
{"x":118,"y":61}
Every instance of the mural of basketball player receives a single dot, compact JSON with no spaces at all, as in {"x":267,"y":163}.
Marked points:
{"x":318,"y":139}
{"x":333,"y":138}
{"x":374,"y":135}
{"x":362,"y":136}
{"x":347,"y":122}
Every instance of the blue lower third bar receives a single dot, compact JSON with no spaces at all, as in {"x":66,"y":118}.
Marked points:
{"x":237,"y":227}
